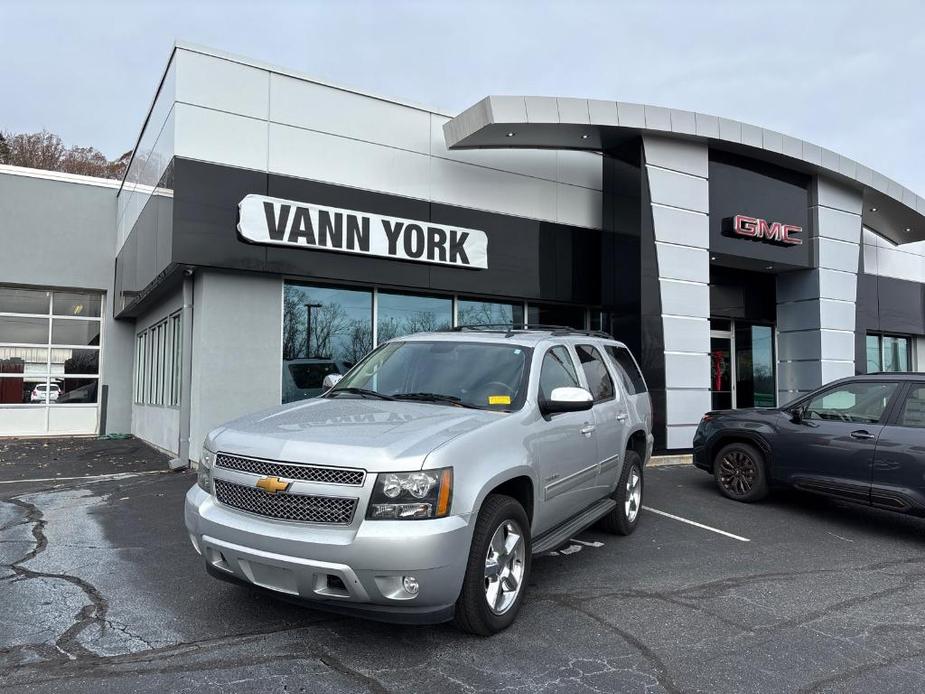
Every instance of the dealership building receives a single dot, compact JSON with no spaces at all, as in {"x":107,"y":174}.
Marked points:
{"x":272,"y":229}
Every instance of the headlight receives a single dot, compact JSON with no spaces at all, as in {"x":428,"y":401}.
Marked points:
{"x":411,"y":495}
{"x":204,"y":476}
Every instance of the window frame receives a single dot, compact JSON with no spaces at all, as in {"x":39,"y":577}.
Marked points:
{"x":157,"y":376}
{"x":51,"y":347}
{"x":879,"y":336}
{"x":889,"y":411}
{"x":613,"y":381}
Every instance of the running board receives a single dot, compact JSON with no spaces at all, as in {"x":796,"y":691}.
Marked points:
{"x":556,"y":537}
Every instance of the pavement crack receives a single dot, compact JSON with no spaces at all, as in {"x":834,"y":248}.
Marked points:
{"x":662,"y":675}
{"x":68,"y":642}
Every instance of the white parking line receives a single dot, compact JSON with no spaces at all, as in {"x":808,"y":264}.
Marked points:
{"x":696,"y":524}
{"x":110,"y":476}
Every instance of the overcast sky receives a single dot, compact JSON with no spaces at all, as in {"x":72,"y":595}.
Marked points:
{"x":846,"y":75}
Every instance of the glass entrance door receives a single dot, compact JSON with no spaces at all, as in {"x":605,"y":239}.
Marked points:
{"x":742,"y":365}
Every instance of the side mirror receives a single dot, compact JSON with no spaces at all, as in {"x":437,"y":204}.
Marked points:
{"x":567,"y":400}
{"x":330,"y":381}
{"x":796,"y":415}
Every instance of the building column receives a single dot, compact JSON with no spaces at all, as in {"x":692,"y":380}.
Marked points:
{"x":816,"y":308}
{"x":677,"y":173}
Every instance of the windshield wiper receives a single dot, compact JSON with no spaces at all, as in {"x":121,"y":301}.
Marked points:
{"x":434,"y":397}
{"x":365,"y":392}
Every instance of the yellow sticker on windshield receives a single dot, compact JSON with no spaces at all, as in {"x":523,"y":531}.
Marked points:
{"x":499,"y":399}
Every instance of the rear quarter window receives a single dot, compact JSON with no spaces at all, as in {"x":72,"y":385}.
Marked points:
{"x":626,"y":367}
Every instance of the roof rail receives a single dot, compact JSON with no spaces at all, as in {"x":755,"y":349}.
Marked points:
{"x":512,"y":328}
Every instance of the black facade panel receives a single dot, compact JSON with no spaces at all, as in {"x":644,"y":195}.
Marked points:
{"x":744,"y":295}
{"x":886,"y":305}
{"x":528,"y":259}
{"x":739,"y":185}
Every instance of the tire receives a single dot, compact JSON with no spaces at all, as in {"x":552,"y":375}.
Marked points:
{"x":628,"y":495}
{"x":740,"y":472}
{"x":500,"y":517}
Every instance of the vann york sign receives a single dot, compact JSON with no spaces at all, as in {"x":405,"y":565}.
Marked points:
{"x":277,"y":222}
{"x":762,"y":230}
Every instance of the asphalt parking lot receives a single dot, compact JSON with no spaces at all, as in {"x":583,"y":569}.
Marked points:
{"x":100,"y":591}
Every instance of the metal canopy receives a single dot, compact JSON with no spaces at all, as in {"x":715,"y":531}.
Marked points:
{"x":536,"y":122}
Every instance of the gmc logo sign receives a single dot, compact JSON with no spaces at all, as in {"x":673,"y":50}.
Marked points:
{"x":762,"y":230}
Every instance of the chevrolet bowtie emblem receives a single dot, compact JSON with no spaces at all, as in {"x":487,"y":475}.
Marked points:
{"x":271,"y":485}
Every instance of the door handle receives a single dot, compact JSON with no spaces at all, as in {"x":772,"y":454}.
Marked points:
{"x":861,"y":434}
{"x":587,"y":430}
{"x":622,"y":417}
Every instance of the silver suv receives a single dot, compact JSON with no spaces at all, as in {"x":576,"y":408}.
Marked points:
{"x":419,"y":486}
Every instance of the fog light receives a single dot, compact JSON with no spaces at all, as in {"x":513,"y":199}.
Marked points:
{"x":410,"y":584}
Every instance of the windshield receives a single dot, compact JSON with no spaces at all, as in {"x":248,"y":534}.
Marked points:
{"x":470,"y":374}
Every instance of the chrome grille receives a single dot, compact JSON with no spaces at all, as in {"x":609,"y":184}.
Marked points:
{"x":295,"y":507}
{"x":292,"y":471}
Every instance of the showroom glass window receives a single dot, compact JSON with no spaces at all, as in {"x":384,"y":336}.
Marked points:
{"x":888,"y":353}
{"x":49,"y":347}
{"x":475,"y":312}
{"x":406,"y":314}
{"x":325,"y":330}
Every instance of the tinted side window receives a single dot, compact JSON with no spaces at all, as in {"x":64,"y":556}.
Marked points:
{"x":558,"y":372}
{"x":627,"y":369}
{"x":599,"y":381}
{"x":913,"y":412}
{"x":862,"y":403}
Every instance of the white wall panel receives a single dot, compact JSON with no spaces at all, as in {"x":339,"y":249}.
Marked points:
{"x":581,"y":207}
{"x":835,"y":224}
{"x":683,"y":262}
{"x":834,"y":284}
{"x":686,"y":334}
{"x":159,"y":426}
{"x":836,"y":255}
{"x":678,"y":155}
{"x":213,"y":82}
{"x":680,"y":436}
{"x":584,"y":169}
{"x":685,"y":299}
{"x":74,"y":419}
{"x":687,"y":371}
{"x":833,"y":370}
{"x":683,"y":227}
{"x":223,"y":138}
{"x":838,"y":345}
{"x":686,"y":406}
{"x":22,"y":421}
{"x":322,"y":157}
{"x":678,"y":190}
{"x":470,"y":186}
{"x":328,"y":109}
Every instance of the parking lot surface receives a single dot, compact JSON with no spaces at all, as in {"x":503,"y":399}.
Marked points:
{"x":100,"y":591}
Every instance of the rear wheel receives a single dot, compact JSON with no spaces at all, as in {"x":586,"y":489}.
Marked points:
{"x":498,"y":568}
{"x":625,"y":517}
{"x":739,"y":469}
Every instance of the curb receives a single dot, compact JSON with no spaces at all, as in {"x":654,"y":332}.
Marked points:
{"x":666,"y":460}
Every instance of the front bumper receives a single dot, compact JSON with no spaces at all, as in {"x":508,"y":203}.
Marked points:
{"x":357,"y":568}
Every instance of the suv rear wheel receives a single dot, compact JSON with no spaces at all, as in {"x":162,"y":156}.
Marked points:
{"x":628,"y":495}
{"x":498,"y":568}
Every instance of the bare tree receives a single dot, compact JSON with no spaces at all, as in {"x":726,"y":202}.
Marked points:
{"x":45,"y":150}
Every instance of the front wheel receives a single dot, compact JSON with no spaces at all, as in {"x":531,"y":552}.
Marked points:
{"x":740,"y":472}
{"x":498,"y":568}
{"x":625,"y":517}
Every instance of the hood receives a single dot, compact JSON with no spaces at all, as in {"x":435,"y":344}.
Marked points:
{"x":377,"y":435}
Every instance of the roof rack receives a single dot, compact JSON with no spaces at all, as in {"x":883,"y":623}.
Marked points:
{"x":512,"y":328}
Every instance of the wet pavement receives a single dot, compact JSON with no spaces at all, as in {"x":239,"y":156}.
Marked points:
{"x":100,"y":591}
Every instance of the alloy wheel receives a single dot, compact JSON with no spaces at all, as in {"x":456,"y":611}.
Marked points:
{"x":504,"y":567}
{"x":633,"y":494}
{"x":737,"y":473}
